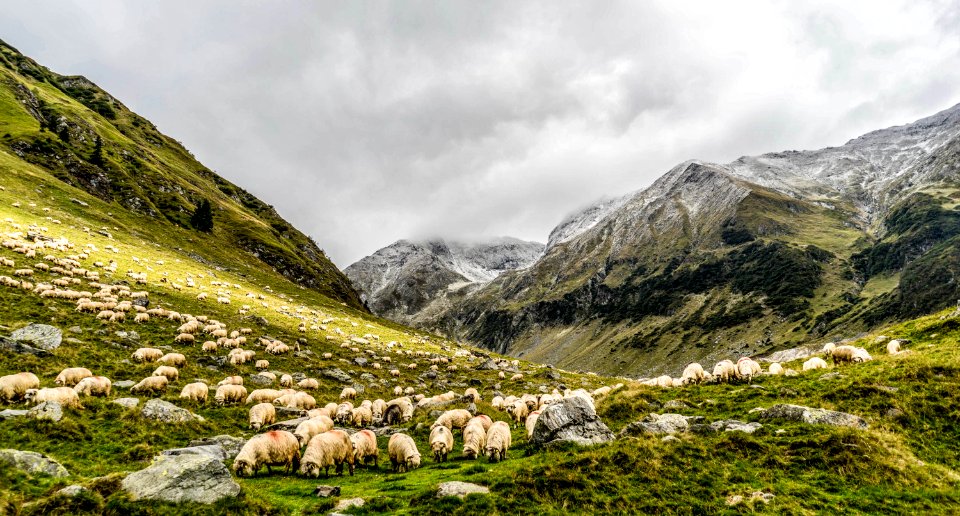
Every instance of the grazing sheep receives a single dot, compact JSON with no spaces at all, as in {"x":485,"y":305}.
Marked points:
{"x":377,"y":409}
{"x":519,"y":412}
{"x":93,"y":386}
{"x":263,"y":396}
{"x":262,"y":414}
{"x":286,"y":381}
{"x":403,"y":453}
{"x":209,"y":347}
{"x":516,"y":377}
{"x":497,"y":402}
{"x":331,"y":448}
{"x":299,"y":400}
{"x":828,"y":347}
{"x":724,"y":371}
{"x":394,"y":372}
{"x":311,"y":427}
{"x":72,"y":375}
{"x":501,"y":375}
{"x":173,"y":359}
{"x":361,"y":416}
{"x":184,"y":338}
{"x":141,"y":318}
{"x":15,"y":386}
{"x":231,"y":380}
{"x":147,"y":354}
{"x":814,"y":363}
{"x":274,"y":448}
{"x":747,"y":368}
{"x":441,"y":442}
{"x":171,"y":373}
{"x":151,"y":384}
{"x":775,"y":369}
{"x":348,"y":393}
{"x":196,"y":391}
{"x":498,"y":441}
{"x":849,"y":354}
{"x":451,"y":419}
{"x":365,"y":447}
{"x":474,"y":439}
{"x":472,"y":394}
{"x":309,"y":383}
{"x":66,"y":396}
{"x":230,"y":394}
{"x":693,"y":373}
{"x":532,"y":422}
{"x":893,"y":347}
{"x":262,"y":364}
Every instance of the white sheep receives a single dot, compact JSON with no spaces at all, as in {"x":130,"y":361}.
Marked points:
{"x":348,"y":393}
{"x":93,"y":386}
{"x":299,"y":400}
{"x":693,"y":373}
{"x":197,"y":392}
{"x":331,"y":448}
{"x":747,"y":368}
{"x":66,"y":396}
{"x":262,"y":414}
{"x":814,"y":363}
{"x":532,"y":422}
{"x":231,"y":380}
{"x":849,"y":354}
{"x":775,"y":369}
{"x":498,"y":441}
{"x":71,"y":376}
{"x":151,"y":384}
{"x":263,"y":396}
{"x":173,"y":359}
{"x":171,"y":373}
{"x":230,"y":394}
{"x":15,"y":386}
{"x":309,"y":383}
{"x":441,"y":442}
{"x":474,"y":439}
{"x":147,"y":354}
{"x":725,"y":370}
{"x":451,"y":419}
{"x":403,"y":453}
{"x":311,"y":427}
{"x":365,"y":447}
{"x":274,"y":448}
{"x":361,"y":416}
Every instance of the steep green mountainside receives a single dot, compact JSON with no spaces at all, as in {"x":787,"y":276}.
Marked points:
{"x":84,"y":137}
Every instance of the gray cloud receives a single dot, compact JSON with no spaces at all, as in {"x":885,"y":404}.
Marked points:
{"x":367,"y":122}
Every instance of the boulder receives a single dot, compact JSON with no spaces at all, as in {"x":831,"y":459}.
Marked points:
{"x":733,"y":425}
{"x":127,"y":402}
{"x":488,"y":364}
{"x":675,"y":405}
{"x":71,"y":491}
{"x":182,"y":478}
{"x":460,"y":489}
{"x":166,"y":412}
{"x":360,"y":361}
{"x":574,"y":420}
{"x":32,"y":463}
{"x":347,"y":503}
{"x":49,"y":410}
{"x":661,"y":424}
{"x":124,"y":384}
{"x":335,"y":373}
{"x":229,"y":444}
{"x":17,"y":346}
{"x":40,"y":336}
{"x":259,"y":380}
{"x":812,"y":416}
{"x":11,"y":413}
{"x":290,"y":412}
{"x":326,"y":491}
{"x":289,"y":425}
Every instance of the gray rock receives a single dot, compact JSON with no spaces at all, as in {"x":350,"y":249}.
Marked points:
{"x":368,"y":377}
{"x":129,"y":336}
{"x":360,"y":361}
{"x":834,"y":375}
{"x":661,"y":424}
{"x":229,"y":444}
{"x":385,"y":431}
{"x":488,"y":365}
{"x":166,"y":412}
{"x":733,"y":425}
{"x":326,"y":491}
{"x":11,"y":413}
{"x":347,"y":503}
{"x":460,"y":489}
{"x":288,"y":425}
{"x":33,"y":462}
{"x":290,"y":412}
{"x":124,"y":384}
{"x":335,"y":373}
{"x":75,"y":329}
{"x":127,"y":402}
{"x":182,"y":478}
{"x":813,"y":416}
{"x":675,"y":405}
{"x":49,"y":410}
{"x":17,"y":346}
{"x":40,"y":336}
{"x":429,"y":375}
{"x":259,"y":380}
{"x":669,"y":439}
{"x":71,"y":491}
{"x":573,"y":419}
{"x":472,"y":408}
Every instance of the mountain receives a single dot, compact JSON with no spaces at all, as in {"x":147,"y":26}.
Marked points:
{"x":86,"y":138}
{"x":408,"y":281}
{"x":763,"y":253}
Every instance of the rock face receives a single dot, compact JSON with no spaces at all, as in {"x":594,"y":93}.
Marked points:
{"x":229,"y":444}
{"x":572,"y":420}
{"x":41,"y":336}
{"x":813,"y":416}
{"x":32,"y":463}
{"x":11,"y":413}
{"x":260,"y":380}
{"x":182,"y":478}
{"x":460,"y":489}
{"x":49,"y":410}
{"x":167,"y":412}
{"x":335,"y":373}
{"x":661,"y":424}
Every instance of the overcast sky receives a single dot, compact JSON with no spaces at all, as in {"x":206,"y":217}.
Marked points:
{"x":367,"y":122}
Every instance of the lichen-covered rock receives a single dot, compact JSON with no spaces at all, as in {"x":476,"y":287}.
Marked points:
{"x":733,"y":425}
{"x":124,"y":384}
{"x":229,"y":444}
{"x":166,"y":412}
{"x":41,"y":336}
{"x":11,"y":413}
{"x":661,"y":424}
{"x":335,"y":373}
{"x":182,"y":478}
{"x":813,"y":416}
{"x":259,"y":380}
{"x":32,"y":463}
{"x":571,"y":420}
{"x":49,"y":410}
{"x":71,"y":491}
{"x":460,"y":489}
{"x":127,"y":402}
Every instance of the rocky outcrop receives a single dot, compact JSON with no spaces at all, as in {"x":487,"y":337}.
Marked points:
{"x":166,"y":412}
{"x":48,"y":410}
{"x":32,"y":463}
{"x":182,"y":478}
{"x":460,"y":489}
{"x":812,"y":416}
{"x":40,"y":336}
{"x":572,"y":420}
{"x":661,"y":424}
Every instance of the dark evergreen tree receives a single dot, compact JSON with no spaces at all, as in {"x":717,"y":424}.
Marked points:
{"x":202,"y":218}
{"x":97,"y":157}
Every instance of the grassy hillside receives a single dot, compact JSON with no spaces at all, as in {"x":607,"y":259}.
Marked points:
{"x":81,"y":135}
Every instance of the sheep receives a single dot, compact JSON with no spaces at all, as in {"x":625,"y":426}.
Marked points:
{"x":403,"y":453}
{"x":209,"y":347}
{"x":361,"y":416}
{"x":196,"y":391}
{"x":693,"y":373}
{"x":473,"y":394}
{"x":331,"y":448}
{"x":286,"y":381}
{"x":451,"y":419}
{"x":311,"y":427}
{"x":498,"y":441}
{"x":519,"y":412}
{"x":93,"y":386}
{"x":365,"y":447}
{"x":497,"y":402}
{"x":377,"y":409}
{"x":151,"y":384}
{"x":230,"y":394}
{"x":724,"y":371}
{"x":893,"y":347}
{"x":72,"y":375}
{"x":441,"y":442}
{"x":849,"y":354}
{"x":532,"y":422}
{"x":231,"y":380}
{"x":141,"y":318}
{"x":300,"y":400}
{"x":184,"y":338}
{"x":814,"y":363}
{"x":828,"y":347}
{"x":262,"y":364}
{"x":517,"y":377}
{"x":775,"y":369}
{"x":309,"y":383}
{"x":66,"y":396}
{"x":274,"y":448}
{"x":173,"y":359}
{"x":171,"y":373}
{"x":13,"y":387}
{"x":348,"y":393}
{"x":262,"y":414}
{"x":147,"y":354}
{"x":394,"y":372}
{"x":263,"y":395}
{"x":474,"y":439}
{"x":501,"y":375}
{"x":747,"y":368}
